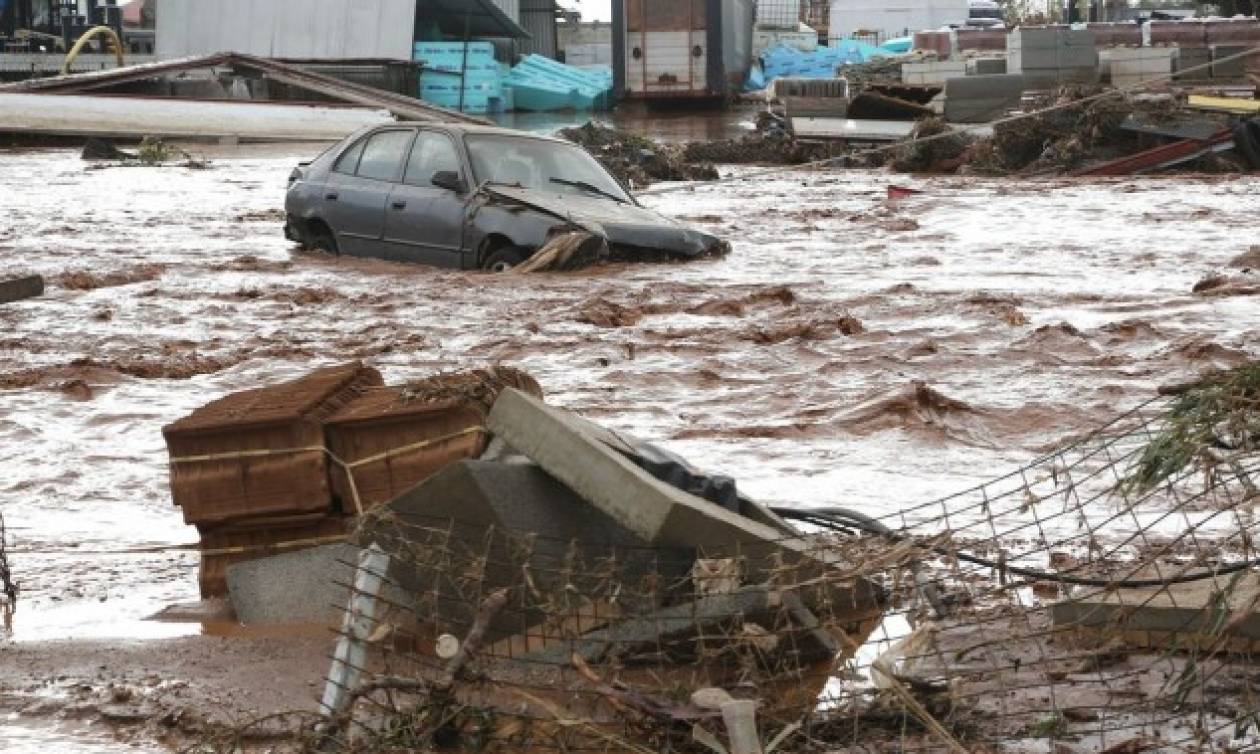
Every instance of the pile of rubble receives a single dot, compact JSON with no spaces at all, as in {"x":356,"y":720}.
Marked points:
{"x":639,"y":161}
{"x":1062,"y":139}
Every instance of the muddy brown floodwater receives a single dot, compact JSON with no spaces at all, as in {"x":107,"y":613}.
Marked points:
{"x":849,"y":351}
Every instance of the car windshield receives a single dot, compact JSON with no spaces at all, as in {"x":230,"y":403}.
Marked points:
{"x":540,"y":164}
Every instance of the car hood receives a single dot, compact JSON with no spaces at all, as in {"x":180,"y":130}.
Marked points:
{"x":621,"y":223}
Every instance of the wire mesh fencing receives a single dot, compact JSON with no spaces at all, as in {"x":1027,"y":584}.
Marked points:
{"x":1102,"y":598}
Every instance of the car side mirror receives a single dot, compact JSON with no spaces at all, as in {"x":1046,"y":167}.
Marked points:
{"x":449,"y":180}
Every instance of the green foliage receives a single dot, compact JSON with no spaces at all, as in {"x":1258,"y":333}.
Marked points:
{"x":154,"y":151}
{"x":1212,"y":424}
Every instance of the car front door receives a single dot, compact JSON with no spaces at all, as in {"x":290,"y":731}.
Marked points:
{"x":358,"y":189}
{"x":425,"y":223}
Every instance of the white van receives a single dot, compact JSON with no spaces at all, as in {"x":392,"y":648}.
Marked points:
{"x":984,"y":14}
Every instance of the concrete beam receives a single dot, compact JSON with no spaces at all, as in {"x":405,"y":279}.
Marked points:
{"x":17,"y":289}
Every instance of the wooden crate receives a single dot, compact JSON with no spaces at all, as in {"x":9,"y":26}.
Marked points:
{"x":224,"y":546}
{"x":259,"y":453}
{"x":391,"y":443}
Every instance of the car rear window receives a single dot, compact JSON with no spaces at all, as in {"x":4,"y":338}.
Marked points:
{"x":383,"y":155}
{"x":348,"y":162}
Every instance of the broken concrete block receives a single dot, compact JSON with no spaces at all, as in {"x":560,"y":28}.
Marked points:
{"x":16,"y":289}
{"x":1181,"y":616}
{"x":663,"y":515}
{"x":636,"y":500}
{"x":307,"y":586}
{"x":516,"y":517}
{"x":978,"y":99}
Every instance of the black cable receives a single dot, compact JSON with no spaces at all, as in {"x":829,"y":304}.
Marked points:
{"x":842,"y":519}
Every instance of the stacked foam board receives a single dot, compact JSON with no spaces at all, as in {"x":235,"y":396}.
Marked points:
{"x":1127,"y":66}
{"x":782,"y":60}
{"x":456,"y":75}
{"x":932,"y":73}
{"x":541,"y":84}
{"x":1049,"y":56}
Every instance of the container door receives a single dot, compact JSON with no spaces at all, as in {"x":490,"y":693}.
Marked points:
{"x":666,"y":47}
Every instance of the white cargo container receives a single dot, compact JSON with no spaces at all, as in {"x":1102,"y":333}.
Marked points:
{"x":881,"y":21}
{"x":688,"y":49}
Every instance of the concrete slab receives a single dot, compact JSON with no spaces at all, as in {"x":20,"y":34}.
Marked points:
{"x":986,"y":66}
{"x":636,"y":500}
{"x":1215,"y":612}
{"x":979,"y":99}
{"x":296,"y":587}
{"x":655,"y":511}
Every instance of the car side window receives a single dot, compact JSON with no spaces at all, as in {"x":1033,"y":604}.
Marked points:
{"x":348,"y":162}
{"x":432,"y":152}
{"x":383,"y":155}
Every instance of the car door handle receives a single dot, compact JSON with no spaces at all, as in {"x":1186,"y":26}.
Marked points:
{"x":331,"y":197}
{"x":399,"y":205}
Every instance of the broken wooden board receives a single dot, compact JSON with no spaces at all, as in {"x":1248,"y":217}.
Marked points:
{"x":1221,"y":612}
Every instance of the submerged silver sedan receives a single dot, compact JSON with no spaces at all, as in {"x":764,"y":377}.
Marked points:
{"x":470,"y":197}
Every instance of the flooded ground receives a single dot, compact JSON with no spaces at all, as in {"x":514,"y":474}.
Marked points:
{"x":1033,"y":311}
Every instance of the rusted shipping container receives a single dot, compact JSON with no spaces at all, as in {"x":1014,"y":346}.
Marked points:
{"x":224,"y":546}
{"x":260,"y":453}
{"x":688,"y":49}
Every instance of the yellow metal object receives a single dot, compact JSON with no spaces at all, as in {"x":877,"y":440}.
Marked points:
{"x":1225,"y":104}
{"x":83,"y":40}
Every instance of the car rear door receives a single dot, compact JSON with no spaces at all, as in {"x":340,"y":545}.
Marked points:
{"x":358,"y":189}
{"x":425,"y":223}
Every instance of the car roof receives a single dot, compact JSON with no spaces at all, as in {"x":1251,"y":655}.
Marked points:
{"x":472,"y":128}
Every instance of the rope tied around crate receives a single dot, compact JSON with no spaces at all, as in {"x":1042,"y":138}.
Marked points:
{"x":347,"y":466}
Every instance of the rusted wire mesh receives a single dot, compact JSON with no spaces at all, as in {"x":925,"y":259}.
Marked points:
{"x":1102,"y":598}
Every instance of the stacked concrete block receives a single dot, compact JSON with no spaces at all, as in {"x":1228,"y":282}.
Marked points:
{"x":939,"y":42}
{"x":1110,"y":34}
{"x":986,"y":66}
{"x":1225,"y":69}
{"x":1233,"y":31}
{"x":984,"y":40}
{"x":1126,"y":66}
{"x":1183,"y":34}
{"x":1194,"y":61}
{"x":929,"y":74}
{"x":980,"y":99}
{"x":1053,"y":55}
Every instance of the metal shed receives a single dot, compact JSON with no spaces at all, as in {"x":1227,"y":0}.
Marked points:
{"x":538,"y":17}
{"x":319,"y":29}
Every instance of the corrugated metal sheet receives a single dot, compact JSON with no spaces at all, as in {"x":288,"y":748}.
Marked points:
{"x":287,"y":28}
{"x":538,"y":17}
{"x":510,"y":8}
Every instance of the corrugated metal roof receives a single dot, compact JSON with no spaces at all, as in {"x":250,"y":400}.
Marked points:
{"x":479,"y":18}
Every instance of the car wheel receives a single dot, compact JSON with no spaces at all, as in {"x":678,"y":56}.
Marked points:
{"x":321,"y":239}
{"x":504,"y":259}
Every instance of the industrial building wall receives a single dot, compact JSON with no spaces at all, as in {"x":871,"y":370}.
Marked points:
{"x":287,"y":28}
{"x":538,"y":17}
